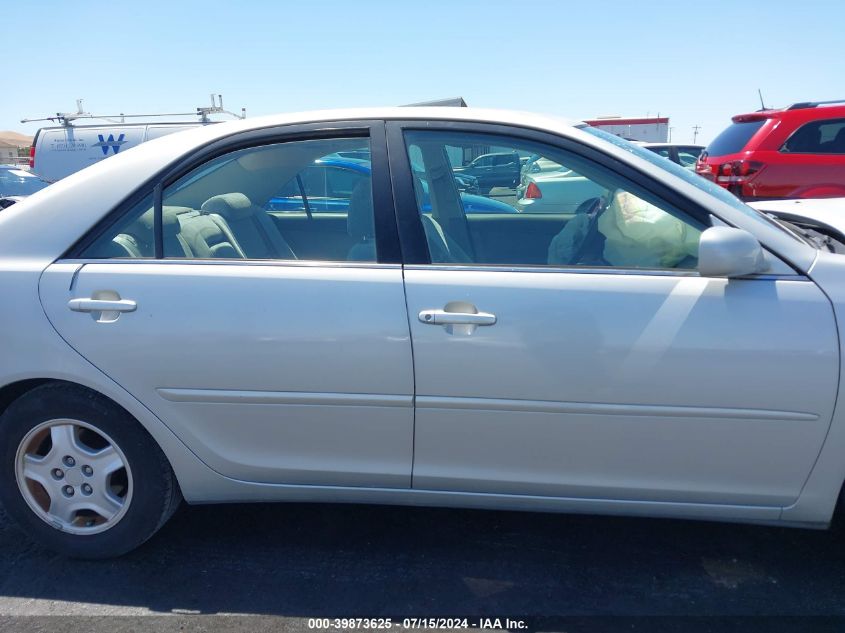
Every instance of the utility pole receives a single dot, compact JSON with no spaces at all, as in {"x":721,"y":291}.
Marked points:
{"x":695,"y":129}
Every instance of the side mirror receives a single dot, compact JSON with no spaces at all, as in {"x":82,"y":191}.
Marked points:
{"x":728,"y":252}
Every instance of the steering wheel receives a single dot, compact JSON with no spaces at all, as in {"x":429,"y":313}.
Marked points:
{"x":593,"y":208}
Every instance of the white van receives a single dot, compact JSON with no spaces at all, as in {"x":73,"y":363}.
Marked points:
{"x":59,"y":151}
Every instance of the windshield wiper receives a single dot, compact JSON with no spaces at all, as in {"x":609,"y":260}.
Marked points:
{"x":820,"y":242}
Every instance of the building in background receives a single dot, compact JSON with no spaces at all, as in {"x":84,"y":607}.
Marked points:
{"x":14,"y":148}
{"x":8,"y":152}
{"x":649,"y":129}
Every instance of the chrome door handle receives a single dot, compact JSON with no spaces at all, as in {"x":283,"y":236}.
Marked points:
{"x":102,"y":305}
{"x":441,"y":317}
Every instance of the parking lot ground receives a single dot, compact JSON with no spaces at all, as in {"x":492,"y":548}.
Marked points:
{"x":306,"y":561}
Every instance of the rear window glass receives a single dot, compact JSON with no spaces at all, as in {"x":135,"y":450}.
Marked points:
{"x":734,"y":138}
{"x":818,"y":137}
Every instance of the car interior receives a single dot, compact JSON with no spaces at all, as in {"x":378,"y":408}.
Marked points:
{"x":223,"y":210}
{"x":651,"y":237}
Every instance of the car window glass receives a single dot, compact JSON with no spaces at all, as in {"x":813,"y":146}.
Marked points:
{"x":817,"y":137}
{"x":132,"y":236}
{"x":690,"y":150}
{"x":734,"y":137}
{"x":687,"y":175}
{"x":328,"y":185}
{"x":688,"y":157}
{"x":558,"y":209}
{"x":249,"y":204}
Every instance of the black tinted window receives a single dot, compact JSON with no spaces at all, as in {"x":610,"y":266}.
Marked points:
{"x":818,"y":137}
{"x":734,"y":138}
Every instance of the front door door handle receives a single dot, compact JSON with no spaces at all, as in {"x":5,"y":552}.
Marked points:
{"x":102,"y":305}
{"x":441,"y":317}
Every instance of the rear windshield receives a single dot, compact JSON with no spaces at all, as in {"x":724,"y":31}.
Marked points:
{"x":734,"y":138}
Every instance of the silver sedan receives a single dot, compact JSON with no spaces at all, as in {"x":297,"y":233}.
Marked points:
{"x":198,"y":318}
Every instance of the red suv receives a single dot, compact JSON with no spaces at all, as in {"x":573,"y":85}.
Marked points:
{"x":796,"y":152}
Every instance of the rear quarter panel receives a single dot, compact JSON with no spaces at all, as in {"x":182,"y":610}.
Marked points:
{"x":33,"y":350}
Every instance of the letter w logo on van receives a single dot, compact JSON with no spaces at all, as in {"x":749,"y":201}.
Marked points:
{"x":105,"y":143}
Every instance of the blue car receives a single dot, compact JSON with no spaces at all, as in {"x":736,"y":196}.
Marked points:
{"x":328,"y":185}
{"x":16,"y":184}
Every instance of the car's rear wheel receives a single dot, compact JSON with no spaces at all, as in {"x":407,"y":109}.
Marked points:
{"x":80,"y":474}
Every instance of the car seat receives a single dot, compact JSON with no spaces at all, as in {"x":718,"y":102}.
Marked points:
{"x":251,"y":226}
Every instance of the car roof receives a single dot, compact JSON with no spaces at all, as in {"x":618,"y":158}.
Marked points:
{"x":439,"y":113}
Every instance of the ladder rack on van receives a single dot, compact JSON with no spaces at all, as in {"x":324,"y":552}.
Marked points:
{"x":66,"y":119}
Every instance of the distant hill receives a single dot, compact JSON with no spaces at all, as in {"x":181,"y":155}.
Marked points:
{"x":15,"y":138}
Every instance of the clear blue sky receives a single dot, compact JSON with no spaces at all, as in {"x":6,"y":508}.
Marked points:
{"x":698,"y":62}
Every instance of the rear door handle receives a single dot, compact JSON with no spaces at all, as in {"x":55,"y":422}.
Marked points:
{"x":102,"y":305}
{"x":441,"y":317}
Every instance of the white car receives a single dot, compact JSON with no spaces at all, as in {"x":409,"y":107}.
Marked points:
{"x":820,"y":213}
{"x":549,"y":187}
{"x":663,"y":351}
{"x":559,"y":190}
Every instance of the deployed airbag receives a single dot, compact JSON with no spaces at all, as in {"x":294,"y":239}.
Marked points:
{"x":641,"y":235}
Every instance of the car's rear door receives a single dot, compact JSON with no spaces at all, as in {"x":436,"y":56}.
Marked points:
{"x":604,"y":366}
{"x":270,"y":368}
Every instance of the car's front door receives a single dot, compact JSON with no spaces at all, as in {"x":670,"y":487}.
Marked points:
{"x":273,"y":362}
{"x":611,"y":370}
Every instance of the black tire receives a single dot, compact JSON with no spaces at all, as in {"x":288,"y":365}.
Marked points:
{"x":155,"y":492}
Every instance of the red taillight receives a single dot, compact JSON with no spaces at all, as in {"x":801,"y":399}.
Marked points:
{"x":31,"y":156}
{"x":703,"y":170}
{"x":532,"y":192}
{"x":738,"y":172}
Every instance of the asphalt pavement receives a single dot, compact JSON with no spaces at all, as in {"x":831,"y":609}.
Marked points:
{"x":320,"y":561}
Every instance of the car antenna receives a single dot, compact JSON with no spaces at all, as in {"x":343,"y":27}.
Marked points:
{"x":762,"y":105}
{"x":66,"y":119}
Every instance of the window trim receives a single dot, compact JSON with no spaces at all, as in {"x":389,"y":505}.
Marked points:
{"x":158,"y":222}
{"x":412,"y":235}
{"x":593,"y":270}
{"x":387,"y":237}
